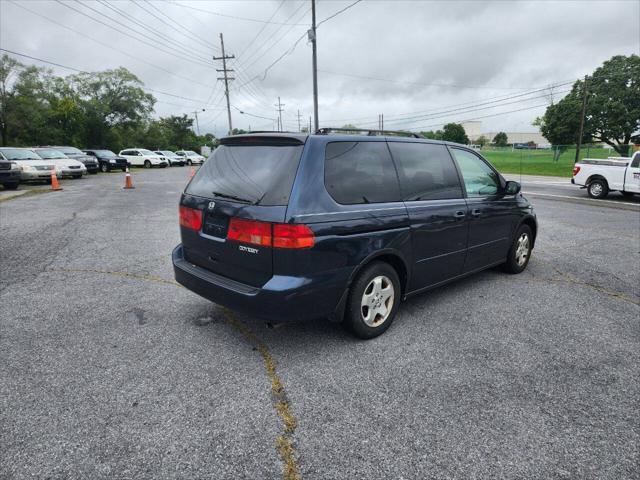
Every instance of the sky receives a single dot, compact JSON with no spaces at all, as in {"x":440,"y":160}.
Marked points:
{"x":419,"y":63}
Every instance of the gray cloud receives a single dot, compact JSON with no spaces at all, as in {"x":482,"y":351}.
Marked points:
{"x":499,"y":47}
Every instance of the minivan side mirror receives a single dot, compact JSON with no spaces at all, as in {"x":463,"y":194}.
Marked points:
{"x":512,"y":188}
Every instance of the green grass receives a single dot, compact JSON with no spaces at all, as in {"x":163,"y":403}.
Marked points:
{"x":540,"y":162}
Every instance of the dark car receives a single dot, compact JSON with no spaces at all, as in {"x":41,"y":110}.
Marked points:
{"x":9,"y":174}
{"x":287,"y":226}
{"x":107,"y":160}
{"x":72,"y":152}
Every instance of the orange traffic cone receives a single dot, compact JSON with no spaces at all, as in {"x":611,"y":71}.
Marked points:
{"x":54,"y":181}
{"x":192,"y":172}
{"x":128,"y":181}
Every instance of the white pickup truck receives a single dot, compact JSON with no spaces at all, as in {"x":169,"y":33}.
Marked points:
{"x":601,"y":176}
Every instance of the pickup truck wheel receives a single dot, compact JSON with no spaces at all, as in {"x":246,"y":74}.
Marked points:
{"x":373,"y":300}
{"x":147,"y":164}
{"x":520,"y":251}
{"x":598,"y":189}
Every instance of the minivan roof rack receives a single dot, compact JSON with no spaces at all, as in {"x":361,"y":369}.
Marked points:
{"x":367,"y":131}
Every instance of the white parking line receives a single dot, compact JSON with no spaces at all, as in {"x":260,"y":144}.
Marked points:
{"x":607,"y":202}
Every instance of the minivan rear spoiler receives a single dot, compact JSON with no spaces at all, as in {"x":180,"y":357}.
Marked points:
{"x":262,"y":140}
{"x":367,"y":131}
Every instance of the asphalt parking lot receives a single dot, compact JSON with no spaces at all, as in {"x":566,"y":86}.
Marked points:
{"x":108,"y":369}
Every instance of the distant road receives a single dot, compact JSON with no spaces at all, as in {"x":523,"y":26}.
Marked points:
{"x":561,"y":189}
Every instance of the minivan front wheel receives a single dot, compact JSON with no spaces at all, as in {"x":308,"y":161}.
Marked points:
{"x":373,"y":300}
{"x":520,"y":251}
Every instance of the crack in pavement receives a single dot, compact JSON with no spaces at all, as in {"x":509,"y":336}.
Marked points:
{"x":284,"y":443}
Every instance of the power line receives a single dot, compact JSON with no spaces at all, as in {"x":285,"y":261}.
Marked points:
{"x":485,"y":116}
{"x":235,"y":17}
{"x":194,"y":36}
{"x":338,"y":12}
{"x":106,"y":45}
{"x":85,"y":71}
{"x":262,"y":29}
{"x":181,"y":55}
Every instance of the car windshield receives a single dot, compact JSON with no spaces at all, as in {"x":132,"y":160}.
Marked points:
{"x":147,"y":152}
{"x":191,"y":153}
{"x":167,"y":153}
{"x":104,"y":153}
{"x":49,"y":153}
{"x":19,"y":154}
{"x":70,"y":150}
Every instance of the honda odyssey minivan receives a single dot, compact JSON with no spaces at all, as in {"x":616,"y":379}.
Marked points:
{"x":292,"y":226}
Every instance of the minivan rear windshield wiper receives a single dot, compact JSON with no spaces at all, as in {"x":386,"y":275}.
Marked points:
{"x":231,"y":197}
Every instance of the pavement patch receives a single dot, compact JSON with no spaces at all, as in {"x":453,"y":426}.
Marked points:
{"x":281,"y":404}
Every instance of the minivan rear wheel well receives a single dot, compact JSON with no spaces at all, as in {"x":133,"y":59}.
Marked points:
{"x":397,"y":264}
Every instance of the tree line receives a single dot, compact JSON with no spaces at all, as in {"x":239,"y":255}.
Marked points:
{"x":108,"y":109}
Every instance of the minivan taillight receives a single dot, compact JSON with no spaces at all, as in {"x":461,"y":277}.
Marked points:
{"x":190,"y":218}
{"x":249,"y":231}
{"x":277,"y":235}
{"x":576,"y":169}
{"x":286,"y":235}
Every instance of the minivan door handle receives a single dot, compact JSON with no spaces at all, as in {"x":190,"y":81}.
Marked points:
{"x":476,"y":212}
{"x":460,"y":214}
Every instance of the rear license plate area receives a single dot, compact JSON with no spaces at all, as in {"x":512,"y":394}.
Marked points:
{"x":215,"y":225}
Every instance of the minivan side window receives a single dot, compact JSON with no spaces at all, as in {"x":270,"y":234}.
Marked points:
{"x":480,"y":180}
{"x":360,"y":172}
{"x":426,"y":171}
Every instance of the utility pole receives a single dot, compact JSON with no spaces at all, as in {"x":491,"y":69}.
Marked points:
{"x":299,"y":116}
{"x":314,"y":49}
{"x":584,"y":108}
{"x":197,"y":124}
{"x":226,"y":79}
{"x":279,"y":110}
{"x":310,"y":131}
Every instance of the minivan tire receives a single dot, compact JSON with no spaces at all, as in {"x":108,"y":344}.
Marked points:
{"x":523,"y":239}
{"x":372,"y":281}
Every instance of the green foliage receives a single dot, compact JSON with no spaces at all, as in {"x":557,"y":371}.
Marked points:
{"x":454,"y":132}
{"x":238,"y":131}
{"x":501,"y":139}
{"x":612,"y":111}
{"x":482,"y":140}
{"x":108,"y":109}
{"x":437,"y":135}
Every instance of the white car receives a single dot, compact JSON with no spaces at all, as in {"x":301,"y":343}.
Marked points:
{"x":191,"y":157}
{"x":601,"y":176}
{"x":171,"y":157}
{"x":141,"y":157}
{"x":31,"y":166}
{"x":65,"y":166}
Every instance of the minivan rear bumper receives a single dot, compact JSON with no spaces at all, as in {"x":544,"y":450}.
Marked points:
{"x":281,"y":299}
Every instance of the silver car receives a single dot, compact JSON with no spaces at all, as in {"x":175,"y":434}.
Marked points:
{"x":32,"y":166}
{"x":65,"y":166}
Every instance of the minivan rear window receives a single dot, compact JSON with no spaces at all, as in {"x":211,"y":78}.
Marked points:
{"x":255,"y":174}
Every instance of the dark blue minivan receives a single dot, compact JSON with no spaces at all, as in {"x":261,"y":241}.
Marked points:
{"x":292,"y":226}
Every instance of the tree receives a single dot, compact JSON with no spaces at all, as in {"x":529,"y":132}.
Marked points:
{"x":501,"y":139}
{"x":454,"y":132}
{"x":482,"y":140}
{"x":238,"y":131}
{"x":612,"y":114}
{"x":8,"y":68}
{"x":437,"y":135}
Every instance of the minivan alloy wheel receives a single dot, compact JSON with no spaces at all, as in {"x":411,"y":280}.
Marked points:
{"x":522,"y":249}
{"x":377,"y":301}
